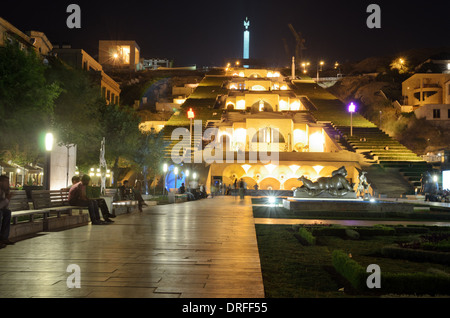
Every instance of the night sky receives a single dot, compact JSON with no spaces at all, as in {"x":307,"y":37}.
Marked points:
{"x":209,"y":32}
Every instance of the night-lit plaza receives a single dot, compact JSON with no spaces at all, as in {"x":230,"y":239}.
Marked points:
{"x":228,"y":165}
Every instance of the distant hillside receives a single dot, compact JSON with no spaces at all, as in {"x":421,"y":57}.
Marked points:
{"x":374,"y":99}
{"x":413,"y":58}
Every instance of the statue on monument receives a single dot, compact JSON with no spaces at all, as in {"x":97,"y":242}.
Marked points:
{"x":363,"y":185}
{"x":335,"y":186}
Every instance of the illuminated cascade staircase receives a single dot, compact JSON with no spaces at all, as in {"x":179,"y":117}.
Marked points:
{"x":196,"y":144}
{"x":377,"y":145}
{"x":391,"y":162}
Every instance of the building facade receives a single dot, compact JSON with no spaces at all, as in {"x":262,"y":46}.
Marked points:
{"x":80,"y":59}
{"x":119,"y":55}
{"x":428,"y":95}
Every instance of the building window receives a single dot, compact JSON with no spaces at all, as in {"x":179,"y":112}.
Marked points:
{"x":436,"y":113}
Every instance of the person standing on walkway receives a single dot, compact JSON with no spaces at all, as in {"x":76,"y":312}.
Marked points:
{"x":78,"y":197}
{"x":241,"y":189}
{"x":5,"y":213}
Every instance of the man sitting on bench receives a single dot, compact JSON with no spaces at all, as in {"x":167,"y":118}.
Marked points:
{"x":103,"y":206}
{"x":77,"y":197}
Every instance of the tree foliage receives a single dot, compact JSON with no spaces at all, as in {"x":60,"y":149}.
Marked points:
{"x":26,"y":104}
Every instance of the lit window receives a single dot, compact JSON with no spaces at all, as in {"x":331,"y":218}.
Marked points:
{"x":295,"y":105}
{"x":283,"y":105}
{"x":258,"y":88}
{"x":240,"y":104}
{"x":316,"y":142}
{"x":261,"y":106}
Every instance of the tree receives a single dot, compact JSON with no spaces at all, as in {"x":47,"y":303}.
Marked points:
{"x":77,"y":110}
{"x":120,"y":127}
{"x":149,"y":155}
{"x":26,"y":104}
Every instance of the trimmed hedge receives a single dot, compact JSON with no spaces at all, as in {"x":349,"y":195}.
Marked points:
{"x":416,"y":254}
{"x":349,"y":269}
{"x":330,"y":231}
{"x":306,"y":237}
{"x":397,"y":283}
{"x":417,"y":283}
{"x":376,"y":230}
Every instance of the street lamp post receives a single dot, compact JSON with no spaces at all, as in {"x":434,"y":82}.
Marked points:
{"x":321,"y":63}
{"x":351,"y":109}
{"x":165,"y":174}
{"x":48,"y":154}
{"x":175,"y":171}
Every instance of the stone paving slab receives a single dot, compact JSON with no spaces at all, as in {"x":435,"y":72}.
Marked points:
{"x":200,"y":249}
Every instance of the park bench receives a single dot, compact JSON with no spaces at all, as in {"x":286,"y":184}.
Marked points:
{"x":20,"y":206}
{"x":54,"y":201}
{"x":118,"y":202}
{"x":37,"y":214}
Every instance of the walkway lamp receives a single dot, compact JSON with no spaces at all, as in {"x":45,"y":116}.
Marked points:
{"x":351,"y":109}
{"x":175,"y":171}
{"x":165,"y":168}
{"x":48,"y":148}
{"x":321,"y":64}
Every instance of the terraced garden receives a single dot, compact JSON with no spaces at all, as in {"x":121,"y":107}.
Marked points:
{"x":323,"y":261}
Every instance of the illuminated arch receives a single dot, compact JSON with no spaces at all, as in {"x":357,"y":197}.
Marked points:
{"x":270,"y":183}
{"x":255,"y":75}
{"x":230,"y":106}
{"x":250,"y":182}
{"x":268,"y":135}
{"x":258,"y":88}
{"x":233,"y":171}
{"x":292,"y":183}
{"x":260,"y":106}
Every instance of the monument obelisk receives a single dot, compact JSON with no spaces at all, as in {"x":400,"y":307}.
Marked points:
{"x":246,"y":54}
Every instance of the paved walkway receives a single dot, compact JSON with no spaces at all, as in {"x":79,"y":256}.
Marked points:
{"x":204,"y":248}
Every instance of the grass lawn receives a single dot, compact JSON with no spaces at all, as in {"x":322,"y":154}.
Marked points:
{"x":291,"y":270}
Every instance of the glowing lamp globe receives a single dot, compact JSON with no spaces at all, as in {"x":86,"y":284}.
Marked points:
{"x":352,"y":108}
{"x":191,"y":114}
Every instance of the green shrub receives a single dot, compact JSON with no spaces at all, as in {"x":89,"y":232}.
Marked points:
{"x":352,"y":234}
{"x":411,"y":230}
{"x":442,"y":246}
{"x":376,"y":230}
{"x":416,"y":283}
{"x":329,"y":231}
{"x":416,"y":254}
{"x":349,"y":269}
{"x":306,"y":236}
{"x":397,"y":283}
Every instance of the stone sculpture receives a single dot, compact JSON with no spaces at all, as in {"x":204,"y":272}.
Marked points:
{"x":335,"y":186}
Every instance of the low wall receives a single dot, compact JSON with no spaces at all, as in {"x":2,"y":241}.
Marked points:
{"x":346,"y":206}
{"x":63,"y":222}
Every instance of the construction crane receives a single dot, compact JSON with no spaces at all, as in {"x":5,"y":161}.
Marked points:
{"x":300,"y":44}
